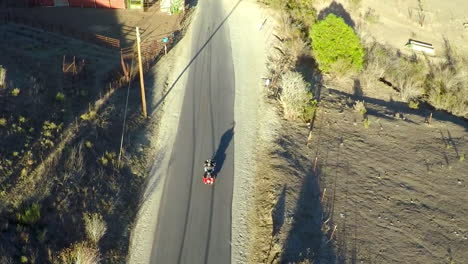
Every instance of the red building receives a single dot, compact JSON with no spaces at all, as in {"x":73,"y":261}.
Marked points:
{"x":81,"y":3}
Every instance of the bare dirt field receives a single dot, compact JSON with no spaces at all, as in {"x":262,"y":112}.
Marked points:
{"x":61,"y":136}
{"x":395,"y":190}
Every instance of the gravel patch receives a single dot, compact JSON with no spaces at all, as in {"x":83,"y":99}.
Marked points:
{"x":249,"y":35}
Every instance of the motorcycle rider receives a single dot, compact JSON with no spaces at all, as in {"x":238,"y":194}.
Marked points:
{"x":209,"y":166}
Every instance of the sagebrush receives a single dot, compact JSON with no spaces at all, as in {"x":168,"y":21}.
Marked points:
{"x":95,"y":227}
{"x":295,"y":95}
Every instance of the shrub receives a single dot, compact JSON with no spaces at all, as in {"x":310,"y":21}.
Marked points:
{"x":88,"y":116}
{"x":60,"y":97}
{"x":30,"y":215}
{"x":108,"y":157}
{"x":366,"y":123}
{"x":80,"y":253}
{"x":333,"y":41}
{"x":23,"y":259}
{"x":408,"y":77}
{"x":95,"y":226}
{"x":378,"y":59}
{"x":413,"y":104}
{"x":360,"y":107}
{"x":176,"y":6}
{"x":448,"y":90}
{"x":15,"y":92}
{"x":2,"y":76}
{"x":302,"y":11}
{"x":88,"y":144}
{"x":295,"y":95}
{"x":48,"y":133}
{"x":3,"y":122}
{"x":309,"y":110}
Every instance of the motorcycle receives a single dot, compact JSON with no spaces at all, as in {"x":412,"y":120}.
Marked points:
{"x":209,"y":175}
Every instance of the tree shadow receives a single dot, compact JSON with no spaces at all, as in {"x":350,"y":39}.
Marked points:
{"x":338,"y":10}
{"x":220,"y":154}
{"x":308,"y":67}
{"x":305,"y":241}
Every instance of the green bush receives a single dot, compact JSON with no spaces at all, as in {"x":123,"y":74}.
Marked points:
{"x":60,"y":97}
{"x":333,"y":41}
{"x":366,"y":122}
{"x":309,"y":109}
{"x":413,"y":104}
{"x":15,"y":92}
{"x":176,"y":6}
{"x":30,"y":215}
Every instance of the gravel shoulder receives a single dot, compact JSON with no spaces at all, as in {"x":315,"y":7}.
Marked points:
{"x":249,"y":57}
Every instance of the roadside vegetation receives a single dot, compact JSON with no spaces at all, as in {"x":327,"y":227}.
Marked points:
{"x":442,"y":83}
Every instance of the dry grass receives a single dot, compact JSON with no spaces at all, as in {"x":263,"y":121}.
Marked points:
{"x":2,"y":76}
{"x":409,"y":79}
{"x":448,"y":90}
{"x":377,"y":64}
{"x":79,"y":253}
{"x":360,"y":107}
{"x":95,"y":226}
{"x":288,"y":47}
{"x":406,"y":74}
{"x":294,"y":95}
{"x":74,"y":166}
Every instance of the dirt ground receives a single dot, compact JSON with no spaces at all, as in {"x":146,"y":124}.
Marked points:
{"x":61,"y":136}
{"x":395,"y":191}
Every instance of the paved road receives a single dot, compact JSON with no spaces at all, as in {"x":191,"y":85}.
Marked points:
{"x":194,"y":224}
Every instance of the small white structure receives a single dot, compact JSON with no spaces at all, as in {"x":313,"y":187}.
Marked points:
{"x":421,"y":46}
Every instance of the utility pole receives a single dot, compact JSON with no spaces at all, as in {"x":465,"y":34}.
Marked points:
{"x":140,"y":66}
